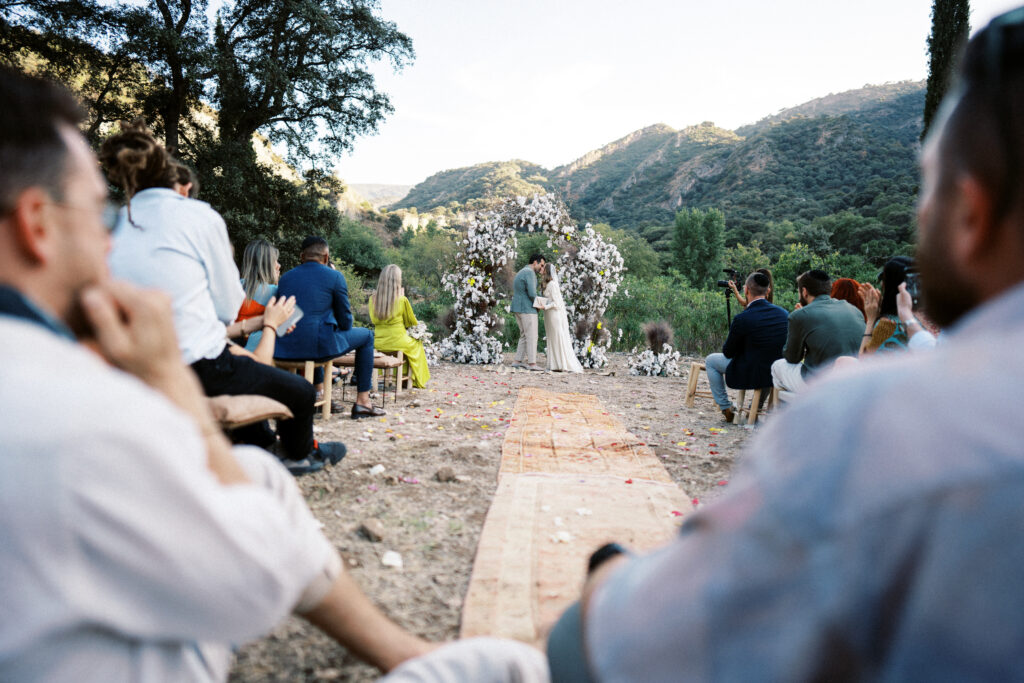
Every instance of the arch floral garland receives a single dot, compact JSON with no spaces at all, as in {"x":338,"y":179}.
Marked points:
{"x":590,"y":271}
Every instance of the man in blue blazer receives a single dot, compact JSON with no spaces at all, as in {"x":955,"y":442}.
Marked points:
{"x":755,"y":341}
{"x":326,"y":330}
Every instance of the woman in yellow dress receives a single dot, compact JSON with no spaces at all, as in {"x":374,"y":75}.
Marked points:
{"x":391,"y":314}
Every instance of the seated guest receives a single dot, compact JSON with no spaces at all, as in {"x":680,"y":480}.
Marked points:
{"x":742,"y":300}
{"x":820,"y":331}
{"x":391,"y":314}
{"x":326,"y":330}
{"x":884,"y":330}
{"x":755,"y":341}
{"x":135,"y":543}
{"x":847,"y":289}
{"x":275,"y":313}
{"x":260,"y":273}
{"x":180,"y":246}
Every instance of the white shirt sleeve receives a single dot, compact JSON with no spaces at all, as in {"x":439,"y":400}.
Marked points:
{"x":225,"y":285}
{"x":164,"y":551}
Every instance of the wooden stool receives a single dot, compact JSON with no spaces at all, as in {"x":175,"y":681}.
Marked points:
{"x":691,"y":387}
{"x":306,"y":369}
{"x":384,"y":364}
{"x":755,"y":402}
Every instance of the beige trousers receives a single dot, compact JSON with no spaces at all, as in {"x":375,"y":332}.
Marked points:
{"x":527,"y":348}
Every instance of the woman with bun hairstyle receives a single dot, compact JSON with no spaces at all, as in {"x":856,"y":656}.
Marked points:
{"x":179,"y":245}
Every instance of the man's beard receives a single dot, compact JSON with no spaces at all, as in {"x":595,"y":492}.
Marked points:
{"x":945,"y":296}
{"x":803,"y":301}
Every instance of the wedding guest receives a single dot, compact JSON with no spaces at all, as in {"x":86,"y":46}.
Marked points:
{"x":848,"y":290}
{"x":742,"y":300}
{"x":391,"y":315}
{"x":524,"y":292}
{"x":820,"y":331}
{"x":884,"y":331}
{"x":326,"y":329}
{"x":755,"y":341}
{"x":135,"y":543}
{"x":260,"y":273}
{"x":180,"y":246}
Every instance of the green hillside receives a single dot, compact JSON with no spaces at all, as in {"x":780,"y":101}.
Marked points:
{"x":851,"y":153}
{"x":474,"y":186}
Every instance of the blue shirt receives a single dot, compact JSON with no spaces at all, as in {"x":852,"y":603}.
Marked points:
{"x":875,"y":530}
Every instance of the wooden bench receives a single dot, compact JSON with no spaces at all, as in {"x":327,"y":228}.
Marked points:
{"x":384,"y":364}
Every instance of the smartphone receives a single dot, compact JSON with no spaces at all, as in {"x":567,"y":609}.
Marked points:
{"x":914,"y":287}
{"x":295,"y":317}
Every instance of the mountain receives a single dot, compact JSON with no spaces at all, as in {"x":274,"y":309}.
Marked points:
{"x":473,"y":186}
{"x":849,"y":152}
{"x":379,"y":194}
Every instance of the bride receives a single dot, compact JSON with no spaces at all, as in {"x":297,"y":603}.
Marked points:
{"x":556,"y":326}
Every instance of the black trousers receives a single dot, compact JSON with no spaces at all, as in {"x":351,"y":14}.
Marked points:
{"x":233,"y":375}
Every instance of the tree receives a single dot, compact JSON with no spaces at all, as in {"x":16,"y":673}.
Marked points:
{"x":950,"y":28}
{"x":295,"y":71}
{"x":124,"y":59}
{"x":393,"y":223}
{"x":698,"y":240}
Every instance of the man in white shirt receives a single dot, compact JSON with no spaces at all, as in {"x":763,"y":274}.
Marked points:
{"x":135,"y":543}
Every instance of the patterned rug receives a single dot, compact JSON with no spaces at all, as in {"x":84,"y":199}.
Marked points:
{"x":571,"y":479}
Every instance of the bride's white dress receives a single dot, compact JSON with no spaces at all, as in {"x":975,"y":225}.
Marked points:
{"x":556,"y":327}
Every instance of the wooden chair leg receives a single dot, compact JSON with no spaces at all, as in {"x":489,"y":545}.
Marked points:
{"x":325,"y":410}
{"x":755,"y":403}
{"x":691,"y":387}
{"x":739,"y":408}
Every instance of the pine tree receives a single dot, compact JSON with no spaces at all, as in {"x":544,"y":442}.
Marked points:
{"x":950,"y":28}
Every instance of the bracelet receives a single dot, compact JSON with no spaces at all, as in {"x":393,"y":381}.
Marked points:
{"x":867,"y":335}
{"x":270,"y":326}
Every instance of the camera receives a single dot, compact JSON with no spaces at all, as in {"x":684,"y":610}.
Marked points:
{"x":733,"y":277}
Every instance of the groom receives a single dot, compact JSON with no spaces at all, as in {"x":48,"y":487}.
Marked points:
{"x":524,"y":291}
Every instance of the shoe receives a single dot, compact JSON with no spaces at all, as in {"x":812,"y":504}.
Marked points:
{"x":359,"y":411}
{"x":305,"y":466}
{"x":728,"y":414}
{"x":328,"y":452}
{"x":536,"y":368}
{"x":519,"y":365}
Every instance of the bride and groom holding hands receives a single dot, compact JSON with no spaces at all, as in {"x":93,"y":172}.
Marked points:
{"x":525,"y":305}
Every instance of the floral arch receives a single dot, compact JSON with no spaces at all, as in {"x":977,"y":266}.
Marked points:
{"x":589,"y":269}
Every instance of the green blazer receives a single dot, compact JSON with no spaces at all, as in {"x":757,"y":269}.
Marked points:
{"x":524,"y":291}
{"x":822,"y":331}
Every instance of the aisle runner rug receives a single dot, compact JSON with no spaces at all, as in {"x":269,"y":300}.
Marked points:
{"x":571,"y":479}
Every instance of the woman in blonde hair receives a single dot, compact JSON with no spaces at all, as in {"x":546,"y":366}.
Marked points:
{"x":391,"y":314}
{"x":260,"y":273}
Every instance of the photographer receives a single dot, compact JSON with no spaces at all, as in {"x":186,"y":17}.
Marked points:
{"x":742,"y":300}
{"x":755,"y":340}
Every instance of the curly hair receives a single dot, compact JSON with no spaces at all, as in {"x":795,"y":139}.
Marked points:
{"x":135,"y":161}
{"x":848,"y":290}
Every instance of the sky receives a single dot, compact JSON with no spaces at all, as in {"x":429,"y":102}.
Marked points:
{"x":549,"y":80}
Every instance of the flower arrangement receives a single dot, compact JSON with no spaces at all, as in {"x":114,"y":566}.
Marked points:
{"x":590,"y":270}
{"x":654,"y":363}
{"x":664,"y":364}
{"x":419,"y":331}
{"x":489,"y":245}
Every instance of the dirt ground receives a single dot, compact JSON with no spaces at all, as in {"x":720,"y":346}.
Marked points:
{"x":458,"y":422}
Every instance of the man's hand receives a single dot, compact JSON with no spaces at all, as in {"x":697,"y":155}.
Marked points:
{"x":134,"y":330}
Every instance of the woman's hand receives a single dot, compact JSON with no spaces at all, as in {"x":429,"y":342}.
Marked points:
{"x":872,"y":300}
{"x":905,"y":304}
{"x":277,"y":310}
